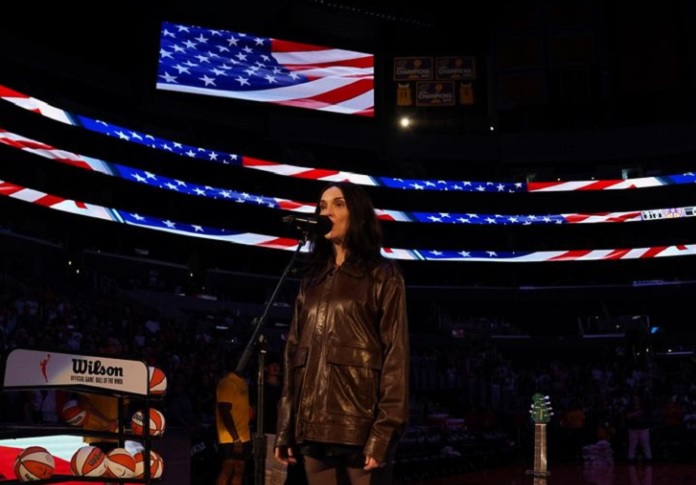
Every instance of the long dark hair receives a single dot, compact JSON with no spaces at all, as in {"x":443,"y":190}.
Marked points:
{"x":363,"y":240}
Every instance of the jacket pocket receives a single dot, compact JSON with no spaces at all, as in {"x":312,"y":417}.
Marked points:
{"x":353,"y":380}
{"x":355,"y":356}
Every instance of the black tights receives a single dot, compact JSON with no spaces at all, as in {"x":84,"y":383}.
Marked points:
{"x":335,"y":470}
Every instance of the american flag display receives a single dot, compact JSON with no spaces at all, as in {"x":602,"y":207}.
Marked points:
{"x":29,"y":195}
{"x":329,"y":175}
{"x":237,"y":65}
{"x":190,"y":188}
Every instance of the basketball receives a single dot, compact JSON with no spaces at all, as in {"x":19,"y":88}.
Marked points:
{"x":158,"y":381}
{"x":88,"y":461}
{"x":156,"y":464}
{"x":73,"y":414}
{"x":120,"y":464}
{"x":157,"y":423}
{"x":34,"y":463}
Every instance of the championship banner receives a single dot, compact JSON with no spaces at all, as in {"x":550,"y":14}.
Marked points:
{"x":33,"y":368}
{"x":435,"y":93}
{"x":455,"y":68}
{"x":413,"y":68}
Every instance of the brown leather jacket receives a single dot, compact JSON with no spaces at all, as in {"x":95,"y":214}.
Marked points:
{"x":347,"y":361}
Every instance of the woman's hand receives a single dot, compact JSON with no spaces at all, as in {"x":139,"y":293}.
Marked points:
{"x":285,"y":455}
{"x":371,"y":463}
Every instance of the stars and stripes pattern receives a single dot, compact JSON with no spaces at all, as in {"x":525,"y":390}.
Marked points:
{"x":29,"y":195}
{"x":329,"y":175}
{"x":229,"y":64}
{"x":189,"y":188}
{"x":545,"y":256}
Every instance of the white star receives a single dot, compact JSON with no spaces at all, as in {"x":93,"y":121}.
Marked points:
{"x":207,"y":80}
{"x":182,"y":69}
{"x":168,"y":77}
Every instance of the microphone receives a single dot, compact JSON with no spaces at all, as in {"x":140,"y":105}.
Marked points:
{"x":316,"y":224}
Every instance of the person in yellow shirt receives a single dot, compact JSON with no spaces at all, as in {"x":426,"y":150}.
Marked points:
{"x":102,"y":409}
{"x":232,"y":415}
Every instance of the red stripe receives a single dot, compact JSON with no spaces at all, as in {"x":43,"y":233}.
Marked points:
{"x":653,"y":251}
{"x":29,"y":144}
{"x":333,"y":97}
{"x":533,"y":186}
{"x":6,"y":188}
{"x":316,"y":173}
{"x":256,"y":162}
{"x":75,"y":163}
{"x":601,"y":184}
{"x":25,"y":143}
{"x":49,"y":200}
{"x":291,"y":204}
{"x":358,"y":62}
{"x":279,"y":242}
{"x":576,"y":218}
{"x":279,"y":45}
{"x":571,"y":255}
{"x":598,"y":185}
{"x":617,"y":254}
{"x":624,"y":217}
{"x":6,"y":92}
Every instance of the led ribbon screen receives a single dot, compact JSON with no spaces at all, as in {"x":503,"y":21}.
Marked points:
{"x":265,"y":241}
{"x":180,"y":186}
{"x":328,"y":175}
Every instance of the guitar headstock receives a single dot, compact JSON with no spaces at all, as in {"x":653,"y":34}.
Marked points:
{"x":541,"y":408}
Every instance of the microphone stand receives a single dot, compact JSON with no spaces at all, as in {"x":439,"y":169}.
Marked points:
{"x":258,"y":342}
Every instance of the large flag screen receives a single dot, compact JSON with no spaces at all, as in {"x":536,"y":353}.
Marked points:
{"x":243,"y":66}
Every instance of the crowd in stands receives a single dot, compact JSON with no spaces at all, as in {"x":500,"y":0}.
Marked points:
{"x":468,"y":395}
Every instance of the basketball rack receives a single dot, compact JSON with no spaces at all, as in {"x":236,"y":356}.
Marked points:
{"x":125,"y":379}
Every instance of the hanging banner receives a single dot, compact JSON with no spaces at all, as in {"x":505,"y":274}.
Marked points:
{"x":435,"y":93}
{"x":413,"y":68}
{"x":404,"y":94}
{"x":455,"y":68}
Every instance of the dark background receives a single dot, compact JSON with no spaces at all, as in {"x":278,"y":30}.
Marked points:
{"x":567,"y":91}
